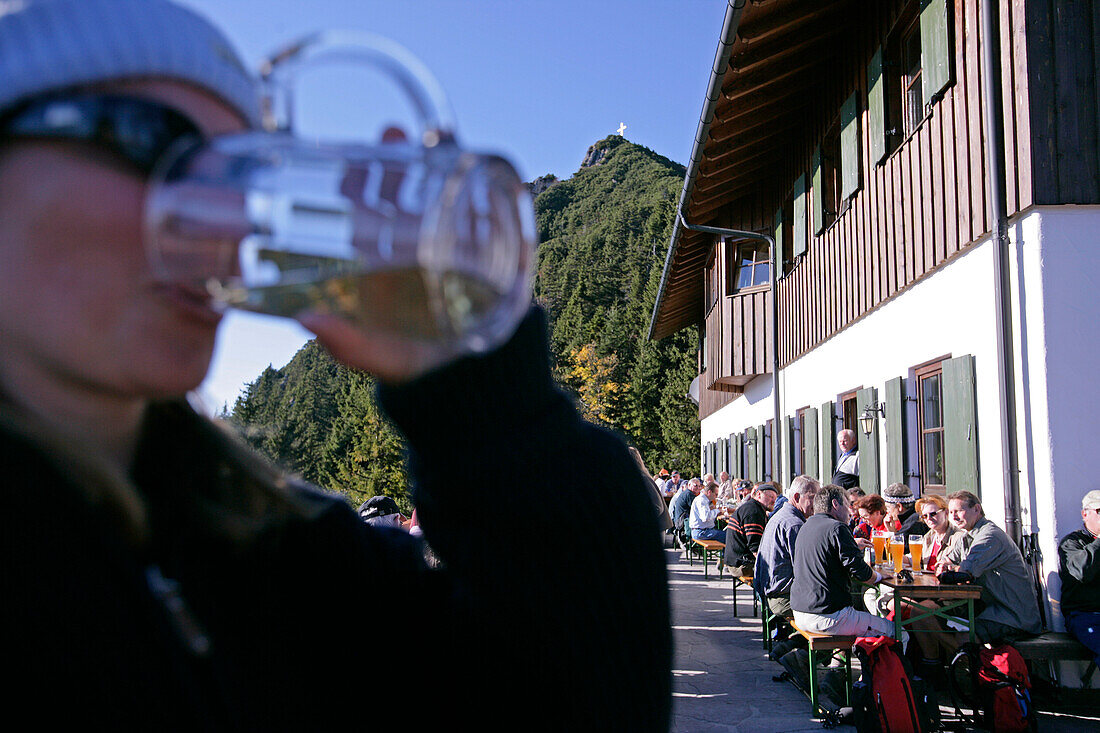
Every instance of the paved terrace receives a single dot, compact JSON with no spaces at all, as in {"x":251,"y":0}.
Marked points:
{"x":722,"y":680}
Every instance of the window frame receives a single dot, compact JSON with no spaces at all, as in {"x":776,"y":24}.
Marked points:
{"x":733,"y":265}
{"x":920,"y":374}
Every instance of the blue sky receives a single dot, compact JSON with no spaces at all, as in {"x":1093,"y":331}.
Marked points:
{"x":536,"y":81}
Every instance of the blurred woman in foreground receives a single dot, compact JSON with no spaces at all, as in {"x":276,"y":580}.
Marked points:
{"x":160,"y":576}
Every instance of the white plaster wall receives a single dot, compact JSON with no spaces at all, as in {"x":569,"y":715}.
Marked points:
{"x":951,"y":312}
{"x":1056,"y":290}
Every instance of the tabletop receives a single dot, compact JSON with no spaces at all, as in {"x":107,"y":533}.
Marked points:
{"x":926,"y":586}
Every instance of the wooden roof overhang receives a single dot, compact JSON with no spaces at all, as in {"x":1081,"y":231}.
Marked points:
{"x":760,"y":100}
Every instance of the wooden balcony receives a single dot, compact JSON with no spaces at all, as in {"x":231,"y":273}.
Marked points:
{"x":738,"y":340}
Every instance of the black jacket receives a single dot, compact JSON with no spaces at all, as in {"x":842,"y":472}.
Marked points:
{"x":296,"y":615}
{"x":743,"y":534}
{"x":1079,"y":569}
{"x":825,"y":558}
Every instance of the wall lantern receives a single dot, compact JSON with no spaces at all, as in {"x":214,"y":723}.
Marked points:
{"x":867,"y":419}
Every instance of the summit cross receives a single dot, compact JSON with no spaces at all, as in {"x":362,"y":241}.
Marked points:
{"x":622,"y":128}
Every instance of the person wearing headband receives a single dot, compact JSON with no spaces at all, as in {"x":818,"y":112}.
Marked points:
{"x":159,"y":574}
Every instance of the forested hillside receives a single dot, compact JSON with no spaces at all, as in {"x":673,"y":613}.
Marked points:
{"x":602,"y":239}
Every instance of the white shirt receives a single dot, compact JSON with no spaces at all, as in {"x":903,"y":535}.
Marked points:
{"x":702,"y":513}
{"x":849,"y":463}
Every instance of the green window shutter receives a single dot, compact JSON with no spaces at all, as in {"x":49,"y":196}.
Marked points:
{"x":799,"y":225}
{"x":876,"y":108}
{"x":935,"y":48}
{"x":960,"y":425}
{"x":713,"y":457}
{"x":788,"y":450}
{"x":780,"y":245}
{"x":762,"y":453}
{"x":809,"y":439}
{"x":818,"y":191}
{"x":723,"y":455}
{"x":828,"y":442}
{"x":849,"y":146}
{"x":896,"y":437}
{"x":736,"y":470}
{"x":868,"y":444}
{"x":753,"y":448}
{"x":703,"y":458}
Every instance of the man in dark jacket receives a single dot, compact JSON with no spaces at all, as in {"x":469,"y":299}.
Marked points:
{"x":826,"y":558}
{"x":1079,"y":569}
{"x":774,"y":570}
{"x":746,"y":527}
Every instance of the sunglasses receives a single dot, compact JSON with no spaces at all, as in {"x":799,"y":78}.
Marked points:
{"x":930,"y":515}
{"x":137,"y":131}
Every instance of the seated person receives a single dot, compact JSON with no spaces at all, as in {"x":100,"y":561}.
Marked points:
{"x":746,"y":527}
{"x":381,"y":511}
{"x":681,"y":503}
{"x":673,"y":484}
{"x":933,"y":510}
{"x":704,"y":511}
{"x":942,"y":535}
{"x":826,"y":557}
{"x":1079,"y":569}
{"x":725,"y":488}
{"x":901,"y":516}
{"x":872,"y":513}
{"x":987,"y":556}
{"x":774,"y":569}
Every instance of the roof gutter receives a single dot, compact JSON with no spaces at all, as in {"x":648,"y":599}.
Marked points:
{"x":734,"y":9}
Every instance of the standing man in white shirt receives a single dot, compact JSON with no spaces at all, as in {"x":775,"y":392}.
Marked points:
{"x":847,"y":468}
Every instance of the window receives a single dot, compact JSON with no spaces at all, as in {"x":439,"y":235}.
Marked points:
{"x":930,"y":434}
{"x":908,"y":74}
{"x":849,"y":413}
{"x":912,"y":97}
{"x":798,"y":448}
{"x":749,"y":265}
{"x":712,"y":283}
{"x":826,"y":179}
{"x":784,"y":236}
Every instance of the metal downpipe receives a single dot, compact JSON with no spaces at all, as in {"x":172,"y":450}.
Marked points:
{"x":777,"y":432}
{"x":993,"y":123}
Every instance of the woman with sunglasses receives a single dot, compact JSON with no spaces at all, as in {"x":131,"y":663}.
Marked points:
{"x":160,"y":576}
{"x":943,"y":534}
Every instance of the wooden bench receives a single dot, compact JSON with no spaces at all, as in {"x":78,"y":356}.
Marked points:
{"x":711,"y":548}
{"x":830,"y":643}
{"x":743,"y":580}
{"x":1054,"y":646}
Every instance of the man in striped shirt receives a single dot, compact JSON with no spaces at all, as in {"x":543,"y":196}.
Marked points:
{"x":746,"y":527}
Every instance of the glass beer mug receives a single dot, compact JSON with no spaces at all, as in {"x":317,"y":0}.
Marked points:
{"x":416,"y":239}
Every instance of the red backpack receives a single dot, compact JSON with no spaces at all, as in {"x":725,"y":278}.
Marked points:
{"x":1002,"y":687}
{"x":884,"y":698}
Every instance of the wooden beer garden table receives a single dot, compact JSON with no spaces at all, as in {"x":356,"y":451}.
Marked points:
{"x":927,"y":586}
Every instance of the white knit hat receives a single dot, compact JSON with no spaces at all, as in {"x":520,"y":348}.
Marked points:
{"x":47,"y":45}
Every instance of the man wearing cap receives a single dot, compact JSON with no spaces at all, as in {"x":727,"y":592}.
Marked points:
{"x":672,"y":485}
{"x":746,"y":527}
{"x":381,"y":511}
{"x":660,"y":479}
{"x":1079,"y":569}
{"x":901,"y":517}
{"x":847,"y":468}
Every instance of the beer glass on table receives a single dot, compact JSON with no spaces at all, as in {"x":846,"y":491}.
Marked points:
{"x":897,"y":552}
{"x":916,"y":551}
{"x":878,"y":539}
